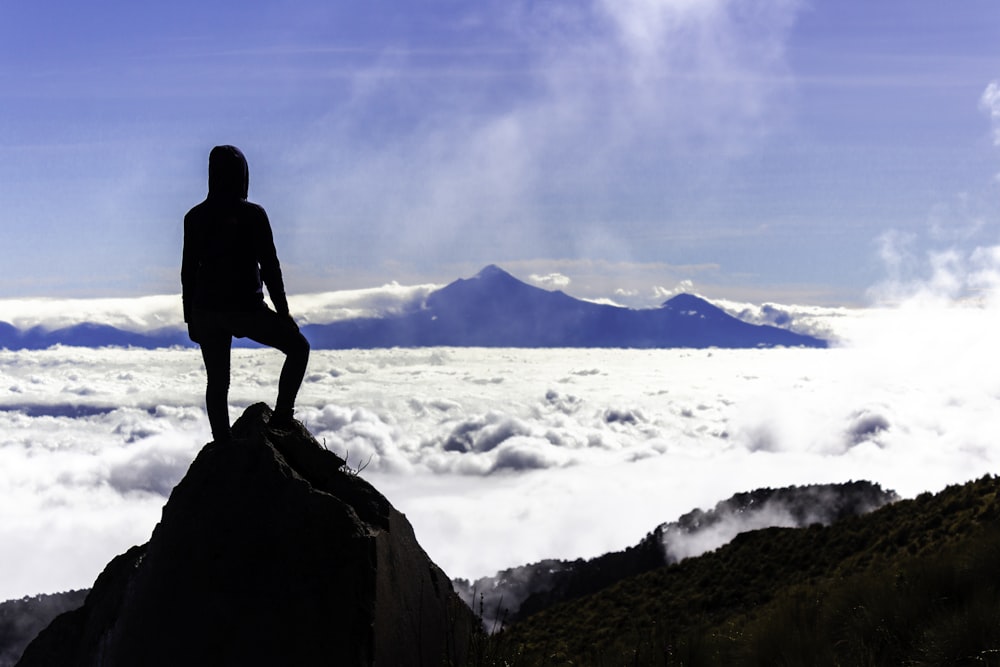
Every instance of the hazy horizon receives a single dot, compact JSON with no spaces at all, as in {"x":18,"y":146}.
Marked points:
{"x":157,"y":313}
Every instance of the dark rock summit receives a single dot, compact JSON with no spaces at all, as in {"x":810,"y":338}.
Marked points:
{"x":269,"y":552}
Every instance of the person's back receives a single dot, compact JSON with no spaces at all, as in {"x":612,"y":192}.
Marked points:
{"x":228,"y":247}
{"x":228,"y":258}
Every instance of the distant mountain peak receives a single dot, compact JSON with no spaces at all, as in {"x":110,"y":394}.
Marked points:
{"x":492,"y":271}
{"x":686,"y":300}
{"x":492,"y":274}
{"x":495,"y":309}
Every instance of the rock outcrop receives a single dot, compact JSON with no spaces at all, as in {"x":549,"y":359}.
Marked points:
{"x":268,"y":552}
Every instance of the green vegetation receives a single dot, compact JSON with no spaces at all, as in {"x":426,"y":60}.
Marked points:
{"x":916,"y":582}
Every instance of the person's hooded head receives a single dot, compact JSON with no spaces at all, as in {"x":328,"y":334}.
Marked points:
{"x":228,"y":174}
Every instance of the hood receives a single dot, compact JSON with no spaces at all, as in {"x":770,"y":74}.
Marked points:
{"x":228,"y":174}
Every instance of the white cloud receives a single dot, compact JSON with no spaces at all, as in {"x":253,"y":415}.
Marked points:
{"x":502,"y":457}
{"x":564,"y":453}
{"x":829,"y":323}
{"x":149,"y":313}
{"x":663,"y":293}
{"x":326,"y":307}
{"x":131,"y":314}
{"x":990,"y":103}
{"x":551,"y":281}
{"x":679,"y":546}
{"x":597,"y":91}
{"x":78,"y":490}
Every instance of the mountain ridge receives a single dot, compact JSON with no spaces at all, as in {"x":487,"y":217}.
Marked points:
{"x":514,"y":594}
{"x":913,"y":582}
{"x":495,"y":309}
{"x":490,"y":309}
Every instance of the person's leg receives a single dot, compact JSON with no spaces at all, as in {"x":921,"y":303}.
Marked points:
{"x":268,"y":328}
{"x":215,"y":348}
{"x":292,"y":373}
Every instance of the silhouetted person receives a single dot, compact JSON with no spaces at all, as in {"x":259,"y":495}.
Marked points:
{"x":228,"y":258}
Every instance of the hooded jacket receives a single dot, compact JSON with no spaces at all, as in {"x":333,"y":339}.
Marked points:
{"x":229,"y":253}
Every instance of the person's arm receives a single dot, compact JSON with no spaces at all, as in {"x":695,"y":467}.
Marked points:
{"x":189,"y":268}
{"x":190,"y":259}
{"x":270,"y":268}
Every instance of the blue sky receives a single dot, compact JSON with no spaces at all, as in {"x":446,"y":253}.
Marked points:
{"x":762,"y":149}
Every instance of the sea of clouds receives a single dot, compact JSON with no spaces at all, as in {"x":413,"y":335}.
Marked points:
{"x":501,"y":457}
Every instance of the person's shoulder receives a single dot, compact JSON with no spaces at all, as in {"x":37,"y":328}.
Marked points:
{"x":246,"y":206}
{"x":253,"y":211}
{"x":196,"y":210}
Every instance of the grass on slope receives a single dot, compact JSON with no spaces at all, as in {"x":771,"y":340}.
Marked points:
{"x":913,"y":583}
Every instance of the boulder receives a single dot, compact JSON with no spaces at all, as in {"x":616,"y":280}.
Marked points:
{"x":269,"y":552}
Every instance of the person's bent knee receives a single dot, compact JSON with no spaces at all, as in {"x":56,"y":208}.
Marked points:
{"x":301,"y":347}
{"x":295,"y":345}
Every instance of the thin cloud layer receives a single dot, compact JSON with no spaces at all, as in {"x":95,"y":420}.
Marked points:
{"x":499,"y":457}
{"x":150,"y":313}
{"x":594,"y":93}
{"x":161,"y":312}
{"x":990,"y":104}
{"x":131,"y":314}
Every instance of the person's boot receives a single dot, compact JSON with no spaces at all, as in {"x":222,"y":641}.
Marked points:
{"x":281,"y":420}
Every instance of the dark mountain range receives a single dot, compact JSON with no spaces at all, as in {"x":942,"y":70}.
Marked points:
{"x":22,"y":620}
{"x":88,"y":334}
{"x":495,"y":309}
{"x":914,"y":582}
{"x":491,"y":309}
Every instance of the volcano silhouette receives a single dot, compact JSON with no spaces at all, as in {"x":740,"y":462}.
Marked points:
{"x":495,"y":309}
